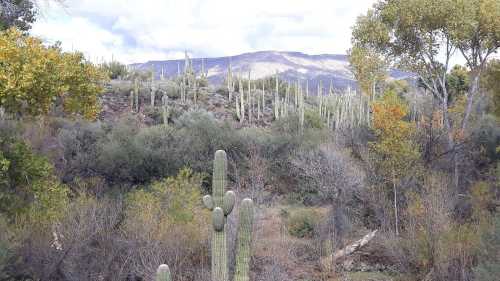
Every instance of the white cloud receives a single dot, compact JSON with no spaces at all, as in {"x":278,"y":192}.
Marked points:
{"x":140,"y":30}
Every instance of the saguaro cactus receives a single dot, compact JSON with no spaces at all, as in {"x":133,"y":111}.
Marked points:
{"x":153,"y":87}
{"x":166,"y":114}
{"x":221,"y":204}
{"x":136,"y":97}
{"x":242,"y":100}
{"x":230,"y":87}
{"x":276,"y":99}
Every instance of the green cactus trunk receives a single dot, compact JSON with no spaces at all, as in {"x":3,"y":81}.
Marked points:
{"x":276,"y":99}
{"x":221,"y":205}
{"x":136,"y":98}
{"x":163,"y":273}
{"x":131,"y":101}
{"x":244,"y":248}
{"x":166,"y":114}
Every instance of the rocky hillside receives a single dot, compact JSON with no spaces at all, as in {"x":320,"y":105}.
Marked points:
{"x":289,"y":65}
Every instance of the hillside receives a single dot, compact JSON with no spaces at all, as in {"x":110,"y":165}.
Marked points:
{"x":289,"y":65}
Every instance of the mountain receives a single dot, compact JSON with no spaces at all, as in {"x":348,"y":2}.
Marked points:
{"x":290,"y":66}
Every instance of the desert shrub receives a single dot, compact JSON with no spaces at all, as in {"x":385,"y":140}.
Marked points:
{"x":27,"y":179}
{"x":166,"y":223}
{"x":135,"y":155}
{"x":154,"y":113}
{"x":121,"y":87}
{"x":487,"y":267}
{"x":81,"y":244}
{"x":5,"y":245}
{"x":115,"y":70}
{"x":199,"y":135}
{"x":325,"y":174}
{"x":79,"y":144}
{"x":313,"y":120}
{"x":302,"y":222}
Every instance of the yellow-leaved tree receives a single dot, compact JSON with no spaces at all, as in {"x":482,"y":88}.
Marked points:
{"x":34,"y":78}
{"x":397,"y":152}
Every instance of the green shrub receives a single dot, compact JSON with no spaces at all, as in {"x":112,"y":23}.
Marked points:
{"x":302,"y":223}
{"x":115,"y":70}
{"x":154,"y":113}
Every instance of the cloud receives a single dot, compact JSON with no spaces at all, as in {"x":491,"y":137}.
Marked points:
{"x":141,"y":30}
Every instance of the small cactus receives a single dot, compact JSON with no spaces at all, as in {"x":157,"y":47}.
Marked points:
{"x":163,"y":273}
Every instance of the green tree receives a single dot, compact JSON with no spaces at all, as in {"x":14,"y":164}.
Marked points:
{"x":397,"y":153}
{"x":35,"y":78}
{"x":368,"y":67}
{"x":423,"y":35}
{"x":457,"y":82}
{"x":17,"y":13}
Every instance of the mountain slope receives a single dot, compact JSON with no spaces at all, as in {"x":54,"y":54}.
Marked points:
{"x":290,"y":66}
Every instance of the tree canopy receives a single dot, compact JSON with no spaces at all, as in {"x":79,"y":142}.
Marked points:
{"x":35,"y":78}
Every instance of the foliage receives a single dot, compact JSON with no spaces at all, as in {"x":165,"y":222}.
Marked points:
{"x":491,"y":83}
{"x":17,"y":13}
{"x":27,"y":181}
{"x":5,"y":245}
{"x":457,"y":82}
{"x":34,"y":78}
{"x":115,"y":70}
{"x":488,"y":268}
{"x":302,"y":222}
{"x":168,"y":221}
{"x":200,"y":135}
{"x":129,"y":153}
{"x":394,"y":144}
{"x":368,"y":68}
{"x":177,"y":196}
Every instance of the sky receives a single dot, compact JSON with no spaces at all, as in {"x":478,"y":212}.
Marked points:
{"x":142,"y":30}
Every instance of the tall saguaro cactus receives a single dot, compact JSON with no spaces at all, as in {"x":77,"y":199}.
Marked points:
{"x":230,"y":87}
{"x":221,"y":204}
{"x":276,"y":98}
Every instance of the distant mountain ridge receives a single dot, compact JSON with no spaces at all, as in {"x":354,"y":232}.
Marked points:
{"x":289,"y":65}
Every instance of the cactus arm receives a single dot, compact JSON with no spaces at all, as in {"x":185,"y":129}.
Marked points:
{"x":208,"y":202}
{"x":228,"y":202}
{"x":243,"y":254}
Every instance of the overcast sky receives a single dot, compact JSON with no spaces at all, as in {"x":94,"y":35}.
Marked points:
{"x":141,"y":30}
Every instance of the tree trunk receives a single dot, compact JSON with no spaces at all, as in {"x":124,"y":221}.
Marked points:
{"x":394,"y":189}
{"x":346,"y":251}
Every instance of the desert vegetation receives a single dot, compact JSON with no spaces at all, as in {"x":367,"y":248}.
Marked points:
{"x":105,"y":169}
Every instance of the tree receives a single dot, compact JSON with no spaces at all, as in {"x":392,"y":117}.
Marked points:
{"x":475,"y":31}
{"x":35,"y":78}
{"x":116,"y":70}
{"x":394,"y":146}
{"x":491,"y":84}
{"x":368,"y":68}
{"x":457,"y":82}
{"x":17,"y":13}
{"x":422,"y":36}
